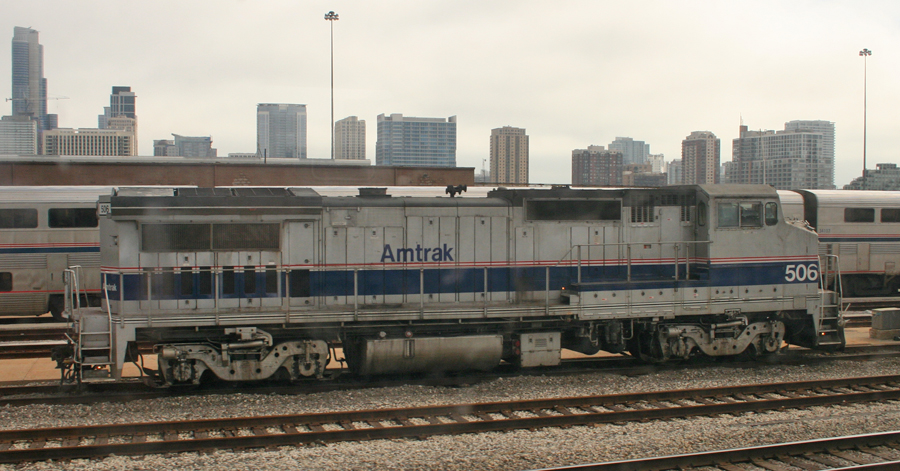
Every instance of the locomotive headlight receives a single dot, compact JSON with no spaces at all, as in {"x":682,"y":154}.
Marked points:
{"x":408,"y":334}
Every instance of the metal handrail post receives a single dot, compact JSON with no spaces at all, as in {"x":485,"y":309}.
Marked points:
{"x":356,"y":294}
{"x":579,"y":263}
{"x":628,"y":261}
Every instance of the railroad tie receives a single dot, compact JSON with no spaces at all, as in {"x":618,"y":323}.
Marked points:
{"x":797,"y":462}
{"x":824,"y":460}
{"x":874,"y":452}
{"x":458,"y":418}
{"x":259,"y":431}
{"x":170,"y":436}
{"x":37,"y":443}
{"x":289,"y":429}
{"x":857,"y":459}
{"x":765,"y":464}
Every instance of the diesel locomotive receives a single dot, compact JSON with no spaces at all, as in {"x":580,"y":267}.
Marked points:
{"x":254,"y":283}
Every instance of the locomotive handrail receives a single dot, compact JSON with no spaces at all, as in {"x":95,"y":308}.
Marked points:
{"x":628,"y":245}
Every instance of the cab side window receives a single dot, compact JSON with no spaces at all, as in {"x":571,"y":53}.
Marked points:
{"x":771,"y":214}
{"x":728,"y":214}
{"x":747,"y":214}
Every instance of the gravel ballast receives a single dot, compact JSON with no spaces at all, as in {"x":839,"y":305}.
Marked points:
{"x":488,"y":451}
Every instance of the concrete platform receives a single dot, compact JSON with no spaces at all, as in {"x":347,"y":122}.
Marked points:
{"x":43,"y":369}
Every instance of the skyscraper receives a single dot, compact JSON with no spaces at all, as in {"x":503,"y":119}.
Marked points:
{"x":350,"y":139}
{"x":281,"y":130}
{"x":800,"y":157}
{"x":18,"y":136}
{"x":700,"y":154}
{"x":509,"y":155}
{"x":29,"y":87}
{"x":121,"y":103}
{"x":596,"y":166}
{"x":633,"y":152}
{"x":416,"y":142}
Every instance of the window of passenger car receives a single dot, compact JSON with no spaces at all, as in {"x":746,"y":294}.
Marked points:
{"x":72,"y":217}
{"x":6,"y":281}
{"x":771,"y":214}
{"x":25,"y":218}
{"x":890,"y":215}
{"x":859,"y":214}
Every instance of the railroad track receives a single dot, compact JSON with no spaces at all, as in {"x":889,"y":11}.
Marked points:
{"x":96,"y":441}
{"x":876,"y":451}
{"x":50,"y":393}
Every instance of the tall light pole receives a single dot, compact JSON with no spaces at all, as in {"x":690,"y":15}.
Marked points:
{"x":331,"y":17}
{"x":864,"y":53}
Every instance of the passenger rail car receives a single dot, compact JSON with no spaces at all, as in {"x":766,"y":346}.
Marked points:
{"x":863,"y":229}
{"x":251,"y":283}
{"x":43,"y":230}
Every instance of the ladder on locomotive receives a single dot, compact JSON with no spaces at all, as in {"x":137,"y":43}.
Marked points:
{"x":831,"y":323}
{"x":93,"y":343}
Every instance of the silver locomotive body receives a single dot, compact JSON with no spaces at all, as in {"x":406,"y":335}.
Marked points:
{"x":251,"y":283}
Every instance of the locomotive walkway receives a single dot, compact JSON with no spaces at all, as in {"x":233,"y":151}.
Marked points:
{"x":291,"y":430}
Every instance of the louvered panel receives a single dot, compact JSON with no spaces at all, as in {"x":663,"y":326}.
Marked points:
{"x":24,"y":261}
{"x":884,"y":248}
{"x":848,"y":249}
{"x":85,"y":259}
{"x":24,"y":304}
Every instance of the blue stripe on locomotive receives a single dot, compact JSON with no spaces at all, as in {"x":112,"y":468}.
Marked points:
{"x":29,"y":250}
{"x":380,"y":282}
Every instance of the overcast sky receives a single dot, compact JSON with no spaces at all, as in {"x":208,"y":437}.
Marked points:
{"x":572,"y":73}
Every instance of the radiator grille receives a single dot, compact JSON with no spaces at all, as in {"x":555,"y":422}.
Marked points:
{"x":24,"y":261}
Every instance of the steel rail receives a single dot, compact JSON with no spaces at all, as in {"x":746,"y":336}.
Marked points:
{"x":784,"y":452}
{"x":29,"y":444}
{"x":134,"y":389}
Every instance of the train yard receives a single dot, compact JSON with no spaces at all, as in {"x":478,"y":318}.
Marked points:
{"x":95,"y":441}
{"x":508,"y":422}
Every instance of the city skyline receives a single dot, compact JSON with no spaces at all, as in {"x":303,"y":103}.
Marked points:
{"x":572,"y":74}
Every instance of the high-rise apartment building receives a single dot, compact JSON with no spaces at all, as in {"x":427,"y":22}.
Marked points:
{"x":281,"y":130}
{"x":509,"y":155}
{"x":657,"y":163}
{"x":194,"y":147}
{"x":700,"y":154}
{"x":350,"y":139}
{"x":674,"y":172}
{"x":415,"y":142}
{"x":596,"y":166}
{"x":885,"y":177}
{"x":18,"y":136}
{"x":634,"y":152}
{"x":800,"y":157}
{"x":93,"y":142}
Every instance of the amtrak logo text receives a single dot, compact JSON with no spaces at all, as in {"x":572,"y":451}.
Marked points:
{"x":418,"y":254}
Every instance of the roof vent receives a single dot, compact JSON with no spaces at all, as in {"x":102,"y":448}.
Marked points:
{"x":373,"y":192}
